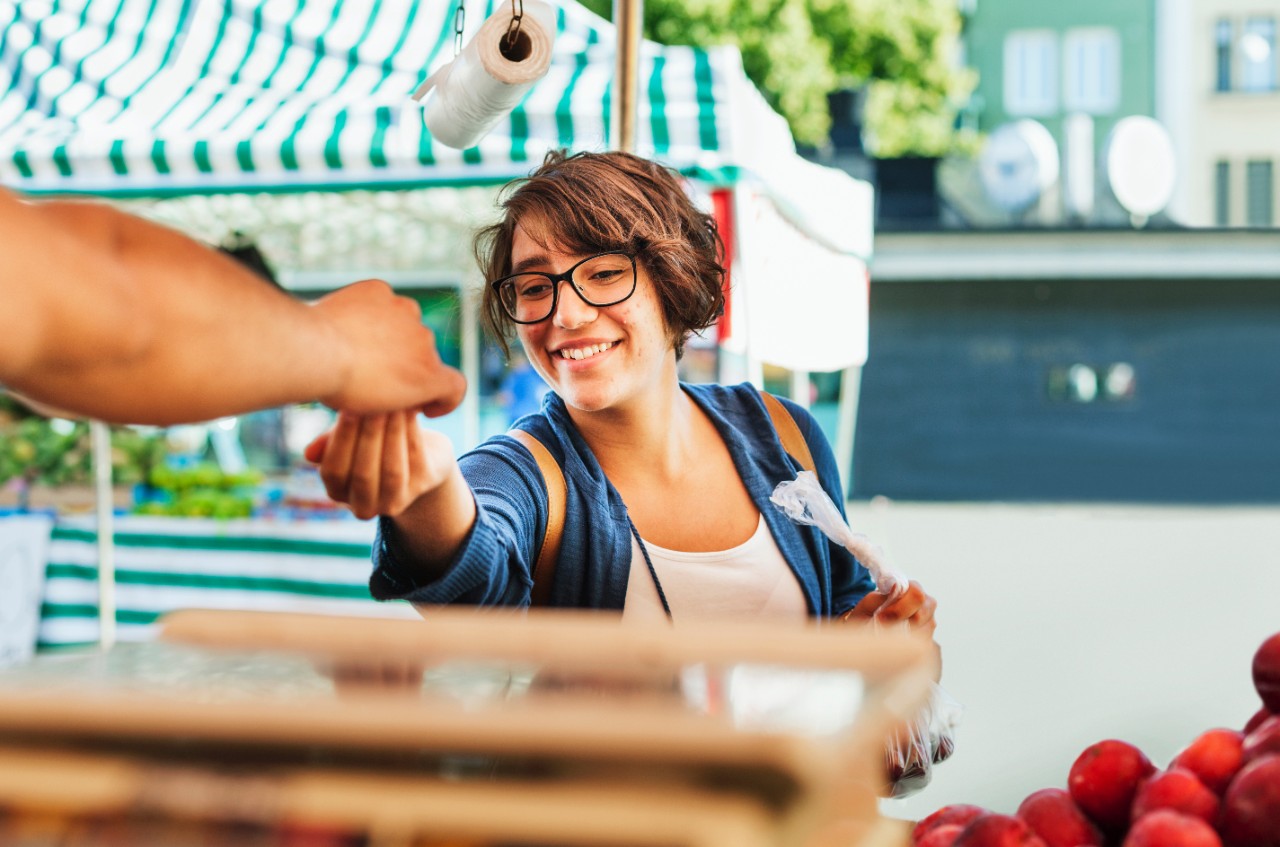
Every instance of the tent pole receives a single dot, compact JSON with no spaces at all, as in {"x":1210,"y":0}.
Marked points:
{"x":800,"y":391}
{"x":469,"y":341}
{"x":847,"y":423}
{"x":628,"y":18}
{"x":101,"y":441}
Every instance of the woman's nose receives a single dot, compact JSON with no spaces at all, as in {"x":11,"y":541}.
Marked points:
{"x":572,"y":311}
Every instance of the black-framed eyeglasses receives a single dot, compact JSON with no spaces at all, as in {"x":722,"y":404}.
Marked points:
{"x":604,"y":279}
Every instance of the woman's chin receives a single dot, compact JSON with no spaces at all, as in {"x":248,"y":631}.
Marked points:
{"x":586,"y":404}
{"x":585,"y":398}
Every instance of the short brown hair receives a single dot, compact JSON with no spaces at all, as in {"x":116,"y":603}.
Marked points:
{"x":593,"y":202}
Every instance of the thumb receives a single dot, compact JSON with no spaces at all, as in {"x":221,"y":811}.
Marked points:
{"x":314,"y":452}
{"x":451,"y":387}
{"x":866,"y":607}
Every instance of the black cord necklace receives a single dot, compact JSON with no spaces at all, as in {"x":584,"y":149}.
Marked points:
{"x":644,"y":551}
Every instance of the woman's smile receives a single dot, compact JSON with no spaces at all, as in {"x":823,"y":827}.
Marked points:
{"x":580,"y":355}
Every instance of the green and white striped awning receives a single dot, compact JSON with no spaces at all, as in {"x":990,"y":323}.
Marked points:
{"x":165,"y":564}
{"x":163,"y":97}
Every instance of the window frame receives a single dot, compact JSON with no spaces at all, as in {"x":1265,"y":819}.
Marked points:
{"x":1018,"y":45}
{"x":1224,"y":40}
{"x":1259,"y":195}
{"x":1078,"y":41}
{"x":1263,"y":26}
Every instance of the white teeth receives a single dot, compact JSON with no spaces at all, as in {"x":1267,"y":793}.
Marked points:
{"x":584,"y":352}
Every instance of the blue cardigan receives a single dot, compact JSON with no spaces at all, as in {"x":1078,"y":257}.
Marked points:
{"x":494,"y":564}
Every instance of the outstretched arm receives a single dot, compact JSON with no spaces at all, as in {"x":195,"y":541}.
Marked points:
{"x":108,"y":315}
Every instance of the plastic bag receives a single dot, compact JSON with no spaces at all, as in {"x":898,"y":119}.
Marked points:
{"x":929,"y":737}
{"x":805,"y":502}
{"x":924,"y":741}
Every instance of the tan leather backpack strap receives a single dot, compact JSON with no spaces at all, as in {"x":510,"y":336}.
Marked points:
{"x":788,"y":432}
{"x":544,"y":568}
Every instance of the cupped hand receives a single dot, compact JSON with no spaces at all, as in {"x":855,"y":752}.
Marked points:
{"x":390,"y":358}
{"x":381,"y":464}
{"x":914,"y":606}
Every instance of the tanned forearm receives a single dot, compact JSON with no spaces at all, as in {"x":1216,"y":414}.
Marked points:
{"x":126,"y":320}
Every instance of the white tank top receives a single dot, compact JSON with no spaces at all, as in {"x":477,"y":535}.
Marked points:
{"x":751,"y":580}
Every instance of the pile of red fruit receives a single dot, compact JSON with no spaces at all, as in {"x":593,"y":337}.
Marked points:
{"x":1223,"y":790}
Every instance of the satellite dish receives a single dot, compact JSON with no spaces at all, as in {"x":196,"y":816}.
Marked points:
{"x":1140,"y":165}
{"x":1018,"y":164}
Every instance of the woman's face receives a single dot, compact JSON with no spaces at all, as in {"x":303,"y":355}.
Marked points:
{"x":625,"y":348}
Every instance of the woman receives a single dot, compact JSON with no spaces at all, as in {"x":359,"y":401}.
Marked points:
{"x":603,"y":266}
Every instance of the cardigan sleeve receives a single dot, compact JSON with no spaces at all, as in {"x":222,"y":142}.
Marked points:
{"x":494,"y":565}
{"x":850,"y":580}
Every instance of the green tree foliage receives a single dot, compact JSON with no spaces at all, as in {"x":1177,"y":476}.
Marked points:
{"x":797,"y":51}
{"x":43,"y":452}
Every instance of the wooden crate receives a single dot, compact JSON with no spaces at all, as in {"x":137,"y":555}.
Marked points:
{"x":599,"y":741}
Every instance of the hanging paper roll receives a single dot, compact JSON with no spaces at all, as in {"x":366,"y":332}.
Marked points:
{"x":490,"y":76}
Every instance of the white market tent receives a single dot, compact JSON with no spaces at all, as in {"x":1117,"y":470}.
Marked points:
{"x":155,"y":97}
{"x":287,"y":109}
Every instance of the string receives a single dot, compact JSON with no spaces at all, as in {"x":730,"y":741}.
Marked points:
{"x":644,"y":551}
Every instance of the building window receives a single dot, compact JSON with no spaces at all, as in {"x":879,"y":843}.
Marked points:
{"x":1258,"y":193}
{"x":1258,"y":55}
{"x":1222,"y":34}
{"x":1222,"y":194}
{"x":1091,"y":70}
{"x":1031,"y":73}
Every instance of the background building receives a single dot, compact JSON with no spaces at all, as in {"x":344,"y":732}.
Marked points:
{"x":1062,"y":365}
{"x":1075,"y":68}
{"x":1218,"y":95}
{"x":1061,"y":353}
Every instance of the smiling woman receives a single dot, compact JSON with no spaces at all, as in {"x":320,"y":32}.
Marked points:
{"x":601,"y":267}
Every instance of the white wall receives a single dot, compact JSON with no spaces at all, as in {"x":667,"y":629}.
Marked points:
{"x":1064,"y":625}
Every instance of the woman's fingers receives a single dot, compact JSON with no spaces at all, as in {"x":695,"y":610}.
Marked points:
{"x":380,"y":464}
{"x":925,"y":613}
{"x":365,"y":483}
{"x":867,"y":606}
{"x":314,"y":452}
{"x":335,"y":469}
{"x":903,"y":607}
{"x":914,"y":606}
{"x":396,"y":472}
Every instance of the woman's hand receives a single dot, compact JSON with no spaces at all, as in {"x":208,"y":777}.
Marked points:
{"x":381,"y":464}
{"x":914,"y":606}
{"x":387,"y":465}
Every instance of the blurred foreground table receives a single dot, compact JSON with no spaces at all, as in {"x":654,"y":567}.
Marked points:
{"x":494,"y":728}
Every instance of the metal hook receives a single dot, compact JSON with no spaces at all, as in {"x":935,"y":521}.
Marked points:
{"x":459,"y":19}
{"x":513,"y":29}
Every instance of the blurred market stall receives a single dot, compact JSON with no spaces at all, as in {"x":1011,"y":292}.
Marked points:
{"x":291,"y":125}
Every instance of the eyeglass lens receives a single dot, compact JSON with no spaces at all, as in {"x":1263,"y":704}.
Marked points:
{"x":599,"y":280}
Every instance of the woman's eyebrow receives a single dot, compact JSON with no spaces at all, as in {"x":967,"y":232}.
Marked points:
{"x":529,"y":262}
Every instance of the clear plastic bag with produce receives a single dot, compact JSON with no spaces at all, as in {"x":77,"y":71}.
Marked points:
{"x":921,"y":743}
{"x":929,"y":737}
